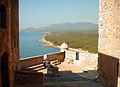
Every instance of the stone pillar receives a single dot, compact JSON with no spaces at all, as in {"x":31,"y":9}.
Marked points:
{"x":9,"y":42}
{"x":109,"y":42}
{"x":15,"y":31}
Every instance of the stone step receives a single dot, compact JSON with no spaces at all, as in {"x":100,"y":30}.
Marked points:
{"x":35,"y":68}
{"x":68,"y":84}
{"x":73,"y":84}
{"x":56,"y":62}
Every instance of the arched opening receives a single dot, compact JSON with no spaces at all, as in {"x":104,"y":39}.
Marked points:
{"x":2,"y":16}
{"x":4,"y":70}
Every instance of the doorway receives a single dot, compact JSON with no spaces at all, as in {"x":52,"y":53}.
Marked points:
{"x":4,"y":70}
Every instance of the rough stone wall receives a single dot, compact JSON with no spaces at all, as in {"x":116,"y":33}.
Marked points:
{"x":109,"y":42}
{"x":35,"y":60}
{"x":30,"y":61}
{"x":86,"y":59}
{"x":56,"y":56}
{"x":15,"y":32}
{"x":70,"y":54}
{"x":9,"y":39}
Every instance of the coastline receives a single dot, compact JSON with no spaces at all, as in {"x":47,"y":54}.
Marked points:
{"x":48,"y":43}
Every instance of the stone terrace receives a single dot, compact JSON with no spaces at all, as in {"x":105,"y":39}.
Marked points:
{"x":70,"y":75}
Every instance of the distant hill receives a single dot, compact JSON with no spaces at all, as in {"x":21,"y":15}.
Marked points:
{"x":66,"y":26}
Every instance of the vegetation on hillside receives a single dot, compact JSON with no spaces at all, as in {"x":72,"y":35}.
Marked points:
{"x":84,"y":39}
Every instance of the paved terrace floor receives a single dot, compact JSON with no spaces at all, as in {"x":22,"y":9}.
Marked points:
{"x":70,"y":75}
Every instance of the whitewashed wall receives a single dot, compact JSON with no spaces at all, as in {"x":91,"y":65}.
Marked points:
{"x":86,"y":59}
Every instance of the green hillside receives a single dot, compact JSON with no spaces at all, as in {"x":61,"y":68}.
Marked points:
{"x":84,"y":39}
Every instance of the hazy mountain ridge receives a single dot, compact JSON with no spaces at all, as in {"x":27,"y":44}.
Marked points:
{"x":66,"y":26}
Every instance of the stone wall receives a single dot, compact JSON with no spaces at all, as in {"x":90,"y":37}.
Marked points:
{"x":108,"y":69}
{"x":70,"y":54}
{"x":9,"y":40}
{"x":85,"y":59}
{"x":56,"y":56}
{"x":35,"y":60}
{"x":109,"y":42}
{"x":30,"y":61}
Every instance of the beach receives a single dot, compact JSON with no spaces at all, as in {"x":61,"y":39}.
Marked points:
{"x":48,"y":43}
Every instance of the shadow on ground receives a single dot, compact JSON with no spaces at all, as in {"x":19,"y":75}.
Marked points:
{"x":70,"y":79}
{"x":69,"y":76}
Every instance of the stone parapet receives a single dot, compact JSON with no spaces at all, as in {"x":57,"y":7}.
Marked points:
{"x":56,"y":56}
{"x":30,"y":61}
{"x":35,"y":60}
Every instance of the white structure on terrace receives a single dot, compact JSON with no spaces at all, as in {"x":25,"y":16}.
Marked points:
{"x":63,"y":47}
{"x":81,"y":57}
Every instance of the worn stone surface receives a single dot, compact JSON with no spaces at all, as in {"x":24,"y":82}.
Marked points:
{"x":36,"y":60}
{"x":9,"y":39}
{"x":86,"y":59}
{"x":56,"y":56}
{"x":30,"y":61}
{"x":109,"y":42}
{"x":68,"y":84}
{"x":108,"y":70}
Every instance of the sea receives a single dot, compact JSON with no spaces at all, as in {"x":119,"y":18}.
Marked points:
{"x":31,"y":46}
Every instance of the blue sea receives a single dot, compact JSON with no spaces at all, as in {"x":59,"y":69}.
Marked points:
{"x":30,"y":45}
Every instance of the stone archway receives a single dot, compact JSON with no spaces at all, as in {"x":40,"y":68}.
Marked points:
{"x":4,"y":70}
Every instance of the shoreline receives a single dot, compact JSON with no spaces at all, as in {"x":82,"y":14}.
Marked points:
{"x":48,"y":43}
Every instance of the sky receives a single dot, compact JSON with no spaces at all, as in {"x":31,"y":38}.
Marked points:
{"x":41,"y":13}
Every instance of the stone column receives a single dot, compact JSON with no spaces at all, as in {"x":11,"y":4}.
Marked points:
{"x":109,"y":42}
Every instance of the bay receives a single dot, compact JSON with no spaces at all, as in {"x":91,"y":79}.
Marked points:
{"x":31,"y":46}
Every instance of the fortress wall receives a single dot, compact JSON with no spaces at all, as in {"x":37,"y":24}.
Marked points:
{"x":109,"y":42}
{"x":70,"y":54}
{"x":35,"y":60}
{"x":30,"y":61}
{"x":9,"y":42}
{"x":85,"y":58}
{"x":56,"y":56}
{"x":88,"y":60}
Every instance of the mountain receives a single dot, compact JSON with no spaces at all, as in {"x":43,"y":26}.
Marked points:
{"x":66,"y":26}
